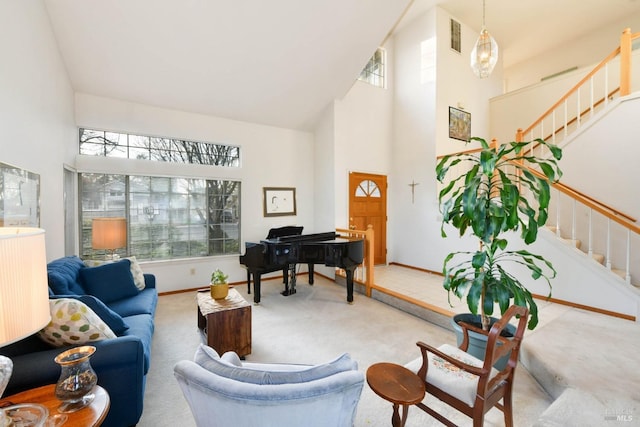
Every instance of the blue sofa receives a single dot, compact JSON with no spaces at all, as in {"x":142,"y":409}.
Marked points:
{"x":121,"y":363}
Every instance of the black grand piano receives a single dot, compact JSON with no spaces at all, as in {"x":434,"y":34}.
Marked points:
{"x":283,"y":252}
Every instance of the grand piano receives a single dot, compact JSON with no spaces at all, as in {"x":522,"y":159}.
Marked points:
{"x":285,"y":251}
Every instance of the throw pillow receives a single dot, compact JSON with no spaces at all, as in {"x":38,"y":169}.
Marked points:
{"x":208,"y":358}
{"x":109,"y":282}
{"x":113,"y":320}
{"x":136,"y":270}
{"x":73,"y":323}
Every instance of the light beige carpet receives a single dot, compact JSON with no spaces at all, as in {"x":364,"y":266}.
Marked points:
{"x":313,"y":326}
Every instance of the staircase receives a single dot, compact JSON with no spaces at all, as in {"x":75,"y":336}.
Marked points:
{"x":603,"y":235}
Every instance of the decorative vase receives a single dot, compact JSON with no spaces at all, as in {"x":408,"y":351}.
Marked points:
{"x":220,"y":291}
{"x":77,"y":378}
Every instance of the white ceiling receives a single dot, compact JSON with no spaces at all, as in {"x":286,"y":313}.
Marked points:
{"x":527,"y":28}
{"x":277,"y":62}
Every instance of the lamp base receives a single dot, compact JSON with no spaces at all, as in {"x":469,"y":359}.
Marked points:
{"x":6,"y":368}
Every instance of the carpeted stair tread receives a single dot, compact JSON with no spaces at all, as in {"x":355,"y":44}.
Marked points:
{"x":586,"y":351}
{"x":574,"y":408}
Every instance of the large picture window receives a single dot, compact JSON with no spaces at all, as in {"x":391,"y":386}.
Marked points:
{"x":167,"y":218}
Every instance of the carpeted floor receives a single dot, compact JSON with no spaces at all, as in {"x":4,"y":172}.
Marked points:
{"x":312,"y":326}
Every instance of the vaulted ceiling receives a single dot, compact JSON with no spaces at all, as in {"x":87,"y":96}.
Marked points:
{"x":278,"y":62}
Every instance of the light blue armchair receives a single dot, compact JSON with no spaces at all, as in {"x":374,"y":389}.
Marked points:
{"x":223,"y":391}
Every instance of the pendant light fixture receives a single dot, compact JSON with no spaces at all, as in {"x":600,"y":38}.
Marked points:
{"x":484,"y":55}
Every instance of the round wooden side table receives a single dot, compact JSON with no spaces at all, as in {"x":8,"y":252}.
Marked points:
{"x":398,"y":385}
{"x":91,"y":415}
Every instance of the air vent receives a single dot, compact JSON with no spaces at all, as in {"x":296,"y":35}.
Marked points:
{"x":455,"y":36}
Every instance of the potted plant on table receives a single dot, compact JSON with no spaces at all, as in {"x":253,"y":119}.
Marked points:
{"x":498,"y":192}
{"x":219,"y":285}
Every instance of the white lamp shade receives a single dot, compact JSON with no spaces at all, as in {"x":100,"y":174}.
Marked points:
{"x":24,"y":294}
{"x":108,"y":233}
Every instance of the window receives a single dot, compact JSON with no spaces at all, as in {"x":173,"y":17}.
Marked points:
{"x":167,"y":218}
{"x":374,"y":72}
{"x":114,"y":144}
{"x":367,"y":188}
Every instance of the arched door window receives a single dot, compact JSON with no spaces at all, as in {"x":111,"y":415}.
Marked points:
{"x":367,"y":188}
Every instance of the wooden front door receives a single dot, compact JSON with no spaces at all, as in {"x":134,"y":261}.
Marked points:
{"x":368,"y":205}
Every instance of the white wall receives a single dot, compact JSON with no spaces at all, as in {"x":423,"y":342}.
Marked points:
{"x":581,"y":52}
{"x":363,"y":139}
{"x":608,"y":143}
{"x":426,"y":84}
{"x":579,"y":280}
{"x":458,"y":87}
{"x":36,"y":109}
{"x":270,"y":157}
{"x":411,"y":225}
{"x":324,"y":172}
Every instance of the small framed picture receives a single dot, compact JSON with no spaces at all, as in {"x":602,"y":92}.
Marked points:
{"x":459,"y":124}
{"x":279,"y":201}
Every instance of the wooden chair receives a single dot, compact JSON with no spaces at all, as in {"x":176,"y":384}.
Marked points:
{"x":470,"y":385}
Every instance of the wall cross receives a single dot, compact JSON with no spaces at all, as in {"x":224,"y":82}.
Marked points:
{"x":413,"y":188}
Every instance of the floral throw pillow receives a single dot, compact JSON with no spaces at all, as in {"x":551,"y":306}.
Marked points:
{"x":73,"y":323}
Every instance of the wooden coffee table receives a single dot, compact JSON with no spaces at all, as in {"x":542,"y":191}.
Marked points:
{"x":398,"y":385}
{"x":91,"y":415}
{"x":225,"y":323}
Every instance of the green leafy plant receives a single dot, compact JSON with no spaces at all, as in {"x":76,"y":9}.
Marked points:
{"x":218,"y":277}
{"x":498,"y":192}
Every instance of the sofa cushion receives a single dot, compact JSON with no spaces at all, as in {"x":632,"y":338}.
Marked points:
{"x":109,"y":282}
{"x":63,"y":276}
{"x":262,"y":374}
{"x":73,"y":323}
{"x":141,"y":326}
{"x":115,"y":322}
{"x":144,"y":302}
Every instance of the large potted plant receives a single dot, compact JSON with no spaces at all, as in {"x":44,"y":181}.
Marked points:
{"x":496,"y":191}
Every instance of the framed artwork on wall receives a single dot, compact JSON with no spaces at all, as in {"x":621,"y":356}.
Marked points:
{"x":19,"y":197}
{"x":279,"y":201}
{"x":459,"y":124}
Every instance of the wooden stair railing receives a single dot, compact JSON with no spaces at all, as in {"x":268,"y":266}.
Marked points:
{"x":364,"y":273}
{"x":627,"y":222}
{"x":623,"y":51}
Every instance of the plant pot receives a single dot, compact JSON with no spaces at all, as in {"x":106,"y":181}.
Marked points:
{"x":478,"y":342}
{"x":220,"y":291}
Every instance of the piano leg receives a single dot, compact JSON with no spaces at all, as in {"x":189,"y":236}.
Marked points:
{"x":349,"y":272}
{"x":290,"y":290}
{"x":248,"y":281}
{"x":310,"y":266}
{"x":256,"y":288}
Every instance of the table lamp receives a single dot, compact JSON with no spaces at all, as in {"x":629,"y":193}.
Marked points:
{"x":109,"y":234}
{"x":24,"y":295}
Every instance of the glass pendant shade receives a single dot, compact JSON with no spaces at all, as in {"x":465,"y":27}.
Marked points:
{"x":484,"y":55}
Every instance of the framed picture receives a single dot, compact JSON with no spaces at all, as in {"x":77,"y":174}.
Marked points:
{"x":279,"y":201}
{"x":19,"y":197}
{"x":459,"y":124}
